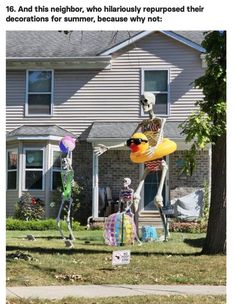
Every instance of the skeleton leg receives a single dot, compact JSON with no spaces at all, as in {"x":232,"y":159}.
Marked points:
{"x":158,"y":200}
{"x":68,"y":220}
{"x":58,"y":219}
{"x":136,"y":198}
{"x":139,"y":188}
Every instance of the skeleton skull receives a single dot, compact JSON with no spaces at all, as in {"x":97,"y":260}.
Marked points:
{"x":147,"y":100}
{"x":126,"y":182}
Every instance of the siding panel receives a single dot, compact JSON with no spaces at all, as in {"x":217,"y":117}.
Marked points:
{"x":81,"y":97}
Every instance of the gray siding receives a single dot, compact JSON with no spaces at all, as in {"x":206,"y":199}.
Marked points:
{"x":11,"y":200}
{"x":81,"y":97}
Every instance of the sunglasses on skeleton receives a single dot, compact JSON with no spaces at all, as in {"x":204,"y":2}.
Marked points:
{"x":136,"y":141}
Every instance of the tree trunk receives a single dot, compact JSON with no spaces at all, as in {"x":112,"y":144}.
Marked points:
{"x":215,"y":241}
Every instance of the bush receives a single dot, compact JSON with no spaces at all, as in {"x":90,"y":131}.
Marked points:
{"x":29,"y":208}
{"x":49,"y":224}
{"x":191,"y":227}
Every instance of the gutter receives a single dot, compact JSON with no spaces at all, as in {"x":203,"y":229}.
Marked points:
{"x":94,"y":62}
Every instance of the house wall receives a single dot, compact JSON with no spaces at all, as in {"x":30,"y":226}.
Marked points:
{"x":200,"y":175}
{"x":81,"y":97}
{"x":114,"y":165}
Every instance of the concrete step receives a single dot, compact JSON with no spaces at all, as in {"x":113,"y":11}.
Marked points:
{"x":150,"y":218}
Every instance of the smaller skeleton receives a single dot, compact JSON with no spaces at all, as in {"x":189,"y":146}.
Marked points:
{"x":67,"y":175}
{"x":126,"y":195}
{"x":126,"y":200}
{"x":153,"y":129}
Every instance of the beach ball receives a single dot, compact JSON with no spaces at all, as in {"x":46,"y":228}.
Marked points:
{"x":119,"y":229}
{"x":67,"y":144}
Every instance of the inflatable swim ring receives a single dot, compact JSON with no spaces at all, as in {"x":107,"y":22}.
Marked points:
{"x":139,"y":144}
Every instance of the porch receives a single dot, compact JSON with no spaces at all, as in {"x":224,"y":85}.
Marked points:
{"x":109,"y":134}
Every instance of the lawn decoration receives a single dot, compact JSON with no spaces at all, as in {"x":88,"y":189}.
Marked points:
{"x":149,"y":234}
{"x":119,"y":229}
{"x":126,"y":195}
{"x":67,"y":145}
{"x":149,"y":147}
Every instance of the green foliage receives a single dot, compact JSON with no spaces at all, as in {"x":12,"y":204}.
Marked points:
{"x":188,"y":227}
{"x":39,"y":225}
{"x":29,"y":208}
{"x":205,"y":215}
{"x":209,"y":122}
{"x":76,"y":196}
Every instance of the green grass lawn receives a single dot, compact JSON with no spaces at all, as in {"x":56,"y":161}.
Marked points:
{"x":177,"y":261}
{"x":129,"y":300}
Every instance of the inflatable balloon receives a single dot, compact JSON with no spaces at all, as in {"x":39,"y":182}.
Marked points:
{"x":139,"y":144}
{"x":67,"y":144}
{"x":119,"y":229}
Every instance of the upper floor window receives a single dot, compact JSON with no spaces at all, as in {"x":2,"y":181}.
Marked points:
{"x":39,"y":92}
{"x":156,"y":82}
{"x":12,"y":167}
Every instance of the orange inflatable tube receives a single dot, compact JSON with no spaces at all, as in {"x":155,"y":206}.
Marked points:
{"x":166,"y":147}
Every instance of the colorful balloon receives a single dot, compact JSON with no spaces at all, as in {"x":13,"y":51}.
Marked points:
{"x":119,"y":229}
{"x":67,"y":144}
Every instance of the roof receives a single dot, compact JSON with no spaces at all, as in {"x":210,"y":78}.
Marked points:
{"x":55,"y":44}
{"x":38,"y":132}
{"x":123,"y":130}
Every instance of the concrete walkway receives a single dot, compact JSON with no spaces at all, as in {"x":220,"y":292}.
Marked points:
{"x":93,"y":291}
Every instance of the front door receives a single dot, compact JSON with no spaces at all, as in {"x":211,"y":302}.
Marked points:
{"x":150,"y":189}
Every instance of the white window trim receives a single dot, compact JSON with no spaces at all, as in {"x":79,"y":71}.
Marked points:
{"x":27,"y":92}
{"x":142,"y":114}
{"x":12,"y":170}
{"x":24,"y":168}
{"x":53,"y":170}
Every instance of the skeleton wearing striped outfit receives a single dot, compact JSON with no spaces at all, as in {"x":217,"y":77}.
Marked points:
{"x":126,"y":195}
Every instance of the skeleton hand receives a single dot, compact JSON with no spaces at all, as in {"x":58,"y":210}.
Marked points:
{"x":150,"y":151}
{"x":159,"y":201}
{"x":100,"y":149}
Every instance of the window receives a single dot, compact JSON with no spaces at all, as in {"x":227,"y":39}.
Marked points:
{"x":56,"y":168}
{"x":39,"y":93}
{"x":33,"y":169}
{"x":12,"y":166}
{"x":156,"y":82}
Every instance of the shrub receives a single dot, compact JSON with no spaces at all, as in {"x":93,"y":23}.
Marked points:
{"x":29,"y":208}
{"x":191,"y":227}
{"x":76,"y":196}
{"x":40,"y":225}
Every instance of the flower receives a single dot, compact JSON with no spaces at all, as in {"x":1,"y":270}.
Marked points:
{"x":34,"y":202}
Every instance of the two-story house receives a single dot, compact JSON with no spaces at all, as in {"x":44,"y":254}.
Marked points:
{"x":87,"y":85}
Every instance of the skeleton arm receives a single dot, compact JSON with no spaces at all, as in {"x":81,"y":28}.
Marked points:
{"x":100,"y":149}
{"x":160,"y":134}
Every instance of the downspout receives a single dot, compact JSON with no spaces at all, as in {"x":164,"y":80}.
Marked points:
{"x":95,"y":186}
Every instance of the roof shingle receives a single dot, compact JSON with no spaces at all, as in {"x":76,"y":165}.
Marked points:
{"x":52,"y":44}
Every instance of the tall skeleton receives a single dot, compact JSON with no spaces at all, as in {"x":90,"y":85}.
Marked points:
{"x":153,"y":128}
{"x":67,"y":175}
